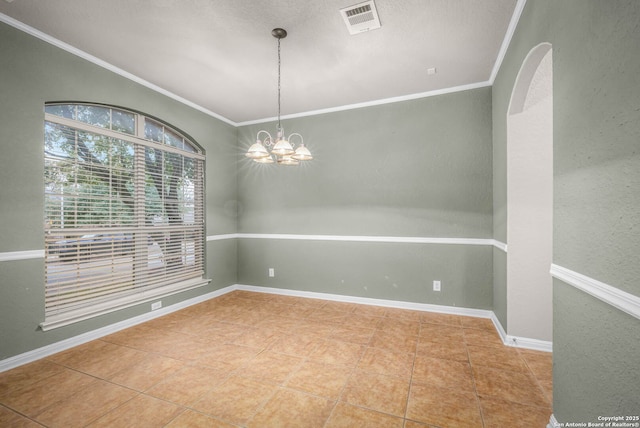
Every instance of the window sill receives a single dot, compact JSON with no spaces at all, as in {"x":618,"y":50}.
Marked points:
{"x":71,"y":317}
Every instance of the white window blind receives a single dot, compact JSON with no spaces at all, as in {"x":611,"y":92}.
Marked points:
{"x":124,"y":211}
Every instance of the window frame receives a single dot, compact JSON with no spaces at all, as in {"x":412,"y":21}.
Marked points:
{"x":141,"y":289}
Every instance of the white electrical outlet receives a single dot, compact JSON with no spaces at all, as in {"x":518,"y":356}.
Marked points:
{"x":156,"y":305}
{"x":272,"y":272}
{"x":436,"y":285}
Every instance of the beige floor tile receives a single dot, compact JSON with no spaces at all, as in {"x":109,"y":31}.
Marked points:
{"x":320,"y":379}
{"x":148,"y":372}
{"x":288,"y":300}
{"x":162,"y":341}
{"x":293,"y":409}
{"x":272,"y":308}
{"x":479,"y":337}
{"x":540,"y":363}
{"x":547,"y":387}
{"x":319,"y":328}
{"x":105,"y":361}
{"x":245,"y":318}
{"x":311,"y":303}
{"x":32,"y":399}
{"x":386,"y":394}
{"x":509,"y":386}
{"x":394,"y":342}
{"x":11,"y":419}
{"x":499,"y":413}
{"x":443,"y":373}
{"x":133,"y":337}
{"x":236,"y":400}
{"x":296,"y":311}
{"x":340,"y":306}
{"x":405,"y":314}
{"x":172,"y":321}
{"x":370,"y":310}
{"x":348,"y":416}
{"x":214,"y":329}
{"x":438,"y":318}
{"x":188,"y":384}
{"x":280,"y":323}
{"x":86,"y":405}
{"x":479,"y":323}
{"x":401,"y":326}
{"x":270,"y":367}
{"x":448,"y":350}
{"x":346,"y":333}
{"x":191,"y":419}
{"x":440,"y":333}
{"x":338,"y":353}
{"x":387,"y":362}
{"x":26,"y":375}
{"x":228,"y":357}
{"x":189,"y":348}
{"x":326,"y":315}
{"x":503,"y":358}
{"x":299,"y":345}
{"x":414,"y":424}
{"x":443,"y":407}
{"x":268,"y":360}
{"x":154,"y":413}
{"x":87,"y":353}
{"x":362,"y":320}
{"x":259,"y":338}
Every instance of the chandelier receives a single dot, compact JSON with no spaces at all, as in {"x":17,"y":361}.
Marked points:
{"x":281,"y":149}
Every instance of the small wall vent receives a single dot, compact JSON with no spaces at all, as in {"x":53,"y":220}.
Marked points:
{"x":361,"y":17}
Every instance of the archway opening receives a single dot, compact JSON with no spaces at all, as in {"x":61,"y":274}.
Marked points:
{"x":530,"y":198}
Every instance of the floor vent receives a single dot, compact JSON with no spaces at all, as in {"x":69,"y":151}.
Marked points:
{"x":361,"y":17}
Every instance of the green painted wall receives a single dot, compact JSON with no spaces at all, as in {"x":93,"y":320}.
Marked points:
{"x":596,"y":79}
{"x":416,"y":168}
{"x":390,"y":271}
{"x":419,"y":168}
{"x":433,"y":167}
{"x":32,"y":73}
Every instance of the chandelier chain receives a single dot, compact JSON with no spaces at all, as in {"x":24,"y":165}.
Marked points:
{"x":279,"y":127}
{"x":280,"y":149}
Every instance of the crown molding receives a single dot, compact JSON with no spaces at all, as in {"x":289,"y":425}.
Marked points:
{"x":97,"y":61}
{"x":511,"y":29}
{"x":82,"y":54}
{"x":373,"y":103}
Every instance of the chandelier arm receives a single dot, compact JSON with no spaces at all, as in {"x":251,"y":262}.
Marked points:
{"x":263,"y":131}
{"x":294,"y":134}
{"x":278,"y":148}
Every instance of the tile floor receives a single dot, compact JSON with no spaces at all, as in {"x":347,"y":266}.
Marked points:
{"x":261,"y":360}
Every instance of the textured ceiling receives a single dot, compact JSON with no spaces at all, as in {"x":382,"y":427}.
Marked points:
{"x":220,"y":55}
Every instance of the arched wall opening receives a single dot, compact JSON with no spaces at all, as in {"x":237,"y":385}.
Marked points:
{"x":530,"y":198}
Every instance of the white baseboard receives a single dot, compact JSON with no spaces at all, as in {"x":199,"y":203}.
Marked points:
{"x":53,"y":348}
{"x":508,"y":340}
{"x":426,"y":307}
{"x":520,"y":342}
{"x":528,"y":343}
{"x":63,"y":345}
{"x":499,"y":328}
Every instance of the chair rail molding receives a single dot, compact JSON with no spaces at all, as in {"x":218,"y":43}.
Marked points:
{"x":615,"y":297}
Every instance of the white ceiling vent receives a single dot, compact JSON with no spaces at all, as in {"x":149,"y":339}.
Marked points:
{"x":361,"y":17}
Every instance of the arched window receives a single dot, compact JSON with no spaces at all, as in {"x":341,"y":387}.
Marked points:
{"x":124,"y":211}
